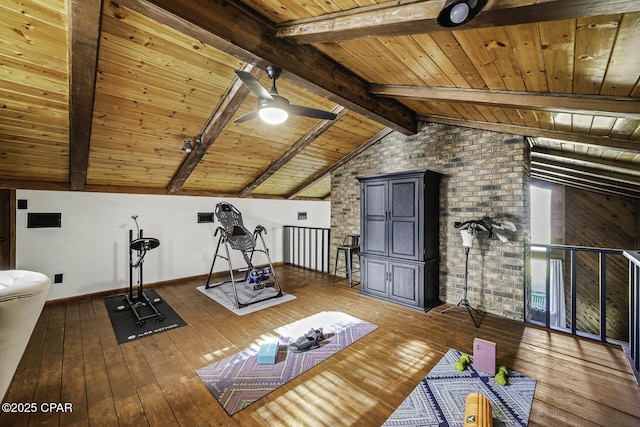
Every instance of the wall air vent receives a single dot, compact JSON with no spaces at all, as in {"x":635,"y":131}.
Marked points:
{"x":205,"y":217}
{"x":44,"y":220}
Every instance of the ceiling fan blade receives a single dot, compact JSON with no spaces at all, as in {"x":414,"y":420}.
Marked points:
{"x":299,"y":110}
{"x":246,"y":117}
{"x":253,"y":84}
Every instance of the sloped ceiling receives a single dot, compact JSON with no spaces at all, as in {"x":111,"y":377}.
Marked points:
{"x":99,"y":96}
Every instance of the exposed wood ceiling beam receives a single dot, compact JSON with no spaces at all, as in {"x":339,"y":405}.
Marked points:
{"x":584,"y":186}
{"x":420,"y":17}
{"x":64,"y":186}
{"x":23,"y":184}
{"x":304,"y":141}
{"x":230,"y":27}
{"x":575,"y":179}
{"x":630,"y":168}
{"x":320,"y":175}
{"x":593,"y":174}
{"x":588,"y":140}
{"x":229,"y":104}
{"x":611,"y":106}
{"x":84,"y":16}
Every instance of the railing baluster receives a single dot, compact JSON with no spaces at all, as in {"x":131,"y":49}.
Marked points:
{"x":634,"y":329}
{"x":305,"y":233}
{"x":527,"y":291}
{"x":299,"y":259}
{"x":322,"y":232}
{"x":636,"y":321}
{"x":287,"y":245}
{"x":633,"y":353}
{"x":574,"y":292}
{"x":603,"y":296}
{"x":315,"y":258}
{"x":634,"y":314}
{"x":547,"y":292}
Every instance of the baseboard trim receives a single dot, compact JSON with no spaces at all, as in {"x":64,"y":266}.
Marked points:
{"x":102,"y":294}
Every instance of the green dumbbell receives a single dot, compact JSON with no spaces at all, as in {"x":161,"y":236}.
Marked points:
{"x":502,"y":376}
{"x":462,"y":363}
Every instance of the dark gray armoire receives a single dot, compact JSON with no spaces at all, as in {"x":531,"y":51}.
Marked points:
{"x":399,"y":230}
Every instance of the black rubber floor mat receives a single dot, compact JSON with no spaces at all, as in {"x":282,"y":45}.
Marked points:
{"x":125,"y":323}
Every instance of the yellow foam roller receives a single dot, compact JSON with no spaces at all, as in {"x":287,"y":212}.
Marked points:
{"x":477,"y":411}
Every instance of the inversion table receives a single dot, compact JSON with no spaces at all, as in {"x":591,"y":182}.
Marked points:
{"x":235,"y":236}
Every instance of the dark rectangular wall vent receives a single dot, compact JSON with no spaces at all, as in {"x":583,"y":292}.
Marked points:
{"x":205,"y":216}
{"x":44,"y":220}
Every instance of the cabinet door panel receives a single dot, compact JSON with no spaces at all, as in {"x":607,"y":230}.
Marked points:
{"x":405,"y":283}
{"x":374,"y":277}
{"x":403,"y":198}
{"x":374,"y":240}
{"x":375,"y":199}
{"x":404,"y":233}
{"x":403,"y":237}
{"x":374,"y":217}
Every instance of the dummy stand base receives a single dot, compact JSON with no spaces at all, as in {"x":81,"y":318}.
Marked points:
{"x":465,"y":303}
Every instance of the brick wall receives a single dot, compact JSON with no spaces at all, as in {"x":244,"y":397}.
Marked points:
{"x":484,"y":174}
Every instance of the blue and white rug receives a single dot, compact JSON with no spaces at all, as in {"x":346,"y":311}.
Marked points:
{"x":440,"y":398}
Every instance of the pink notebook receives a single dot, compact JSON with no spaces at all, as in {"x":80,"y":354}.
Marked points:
{"x":484,"y":356}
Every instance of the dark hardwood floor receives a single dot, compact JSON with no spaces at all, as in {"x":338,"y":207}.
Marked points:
{"x":73,"y":357}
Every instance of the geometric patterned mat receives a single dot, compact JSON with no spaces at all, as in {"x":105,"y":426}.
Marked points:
{"x":440,"y":398}
{"x":237,"y":381}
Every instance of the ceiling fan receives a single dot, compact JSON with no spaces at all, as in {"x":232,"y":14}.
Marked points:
{"x":272,"y":107}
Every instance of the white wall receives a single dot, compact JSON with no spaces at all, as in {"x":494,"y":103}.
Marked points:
{"x":91,"y":247}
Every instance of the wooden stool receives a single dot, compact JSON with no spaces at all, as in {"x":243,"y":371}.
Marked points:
{"x":350,"y":246}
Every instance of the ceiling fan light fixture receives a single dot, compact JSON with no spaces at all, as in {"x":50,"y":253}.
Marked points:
{"x":273,"y":115}
{"x":273,"y":108}
{"x":459,"y":12}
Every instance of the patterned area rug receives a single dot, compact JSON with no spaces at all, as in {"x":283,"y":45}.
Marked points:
{"x":238,"y":381}
{"x":439,"y":399}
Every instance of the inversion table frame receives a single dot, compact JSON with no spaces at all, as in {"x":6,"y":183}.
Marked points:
{"x":233,"y":235}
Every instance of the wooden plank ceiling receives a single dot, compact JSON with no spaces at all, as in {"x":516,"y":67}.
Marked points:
{"x":100,"y":95}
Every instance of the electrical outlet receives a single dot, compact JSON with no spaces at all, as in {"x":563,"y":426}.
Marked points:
{"x":57,"y":278}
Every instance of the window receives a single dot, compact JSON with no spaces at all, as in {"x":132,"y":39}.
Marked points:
{"x":540,"y":233}
{"x":540,"y":215}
